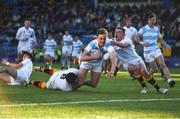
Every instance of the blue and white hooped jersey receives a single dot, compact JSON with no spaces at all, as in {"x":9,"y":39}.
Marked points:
{"x":77,"y":46}
{"x":50,"y":45}
{"x":67,"y":38}
{"x":93,"y":47}
{"x":150,"y":36}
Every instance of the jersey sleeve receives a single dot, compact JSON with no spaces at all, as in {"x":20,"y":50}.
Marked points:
{"x":89,"y":47}
{"x":34,"y":37}
{"x":26,"y":61}
{"x":18,"y":34}
{"x":141,"y":31}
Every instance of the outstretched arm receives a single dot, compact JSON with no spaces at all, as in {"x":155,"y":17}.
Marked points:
{"x":164,"y":44}
{"x":14,"y":65}
{"x":113,"y":64}
{"x":122,"y":45}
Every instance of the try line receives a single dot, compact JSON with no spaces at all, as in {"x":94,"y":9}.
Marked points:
{"x":90,"y":102}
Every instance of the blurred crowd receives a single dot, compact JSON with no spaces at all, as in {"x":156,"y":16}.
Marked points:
{"x":82,"y":17}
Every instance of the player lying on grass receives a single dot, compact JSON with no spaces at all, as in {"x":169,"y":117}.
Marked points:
{"x":64,"y":80}
{"x":133,"y":62}
{"x":17,"y":73}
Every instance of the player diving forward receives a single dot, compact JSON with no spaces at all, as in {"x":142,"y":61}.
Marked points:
{"x":64,"y":80}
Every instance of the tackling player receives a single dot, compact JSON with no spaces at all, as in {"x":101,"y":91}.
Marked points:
{"x":133,"y":62}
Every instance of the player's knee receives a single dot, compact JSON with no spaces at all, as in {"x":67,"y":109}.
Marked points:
{"x":145,"y":73}
{"x":154,"y":70}
{"x":137,"y":76}
{"x":93,"y":84}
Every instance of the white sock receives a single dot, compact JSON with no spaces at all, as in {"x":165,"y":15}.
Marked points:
{"x":169,"y":80}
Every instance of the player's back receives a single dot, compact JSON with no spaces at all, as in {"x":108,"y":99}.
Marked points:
{"x":58,"y":81}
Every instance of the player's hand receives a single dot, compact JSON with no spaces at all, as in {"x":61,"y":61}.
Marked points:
{"x":167,"y":47}
{"x":109,"y":75}
{"x":36,"y":68}
{"x":146,"y":44}
{"x":97,"y":55}
{"x":113,"y":43}
{"x":4,"y":61}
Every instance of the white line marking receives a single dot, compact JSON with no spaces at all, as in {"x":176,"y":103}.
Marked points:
{"x":89,"y":102}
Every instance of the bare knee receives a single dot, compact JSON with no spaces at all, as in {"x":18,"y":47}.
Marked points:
{"x":154,"y":70}
{"x":91,"y":83}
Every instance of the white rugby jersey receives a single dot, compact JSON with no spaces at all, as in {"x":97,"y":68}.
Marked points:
{"x":150,"y":36}
{"x":25,"y":37}
{"x":130,"y":32}
{"x":58,"y":80}
{"x":25,"y":71}
{"x":127,"y":54}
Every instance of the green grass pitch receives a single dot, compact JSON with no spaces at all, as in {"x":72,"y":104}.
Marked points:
{"x":112,"y":99}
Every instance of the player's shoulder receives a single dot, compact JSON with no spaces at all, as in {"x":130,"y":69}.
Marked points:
{"x":30,"y":29}
{"x":156,"y":28}
{"x":126,"y":39}
{"x":93,"y":43}
{"x":132,"y":27}
{"x":21,"y":28}
{"x":80,"y":41}
{"x":72,"y":70}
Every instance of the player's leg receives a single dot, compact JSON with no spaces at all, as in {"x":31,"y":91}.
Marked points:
{"x":153,"y":67}
{"x":162,"y":74}
{"x":106,"y":63}
{"x":47,"y":59}
{"x":44,"y":69}
{"x":151,"y":79}
{"x":75,"y":59}
{"x":119,"y":64}
{"x":105,"y":66}
{"x":95,"y":76}
{"x":38,"y":84}
{"x":5,"y":78}
{"x":63,"y":58}
{"x":81,"y":77}
{"x":135,"y":72}
{"x":69,"y":54}
{"x":11,"y":71}
{"x":161,"y":63}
